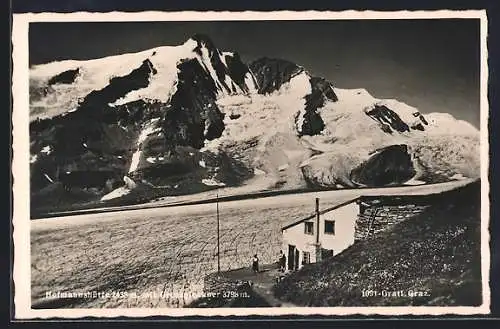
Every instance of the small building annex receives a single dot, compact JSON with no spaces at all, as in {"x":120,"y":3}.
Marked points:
{"x":330,"y":231}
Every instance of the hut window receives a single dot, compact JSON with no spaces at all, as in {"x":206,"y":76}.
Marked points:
{"x":329,"y":227}
{"x":309,"y":228}
{"x":306,"y":257}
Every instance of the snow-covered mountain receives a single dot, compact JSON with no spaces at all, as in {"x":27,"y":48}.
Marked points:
{"x":187,"y":118}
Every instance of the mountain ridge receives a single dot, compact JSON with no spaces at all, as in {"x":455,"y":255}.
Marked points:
{"x":192,"y":117}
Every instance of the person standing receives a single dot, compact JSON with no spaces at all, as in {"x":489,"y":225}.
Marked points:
{"x":282,"y":261}
{"x":255,"y":264}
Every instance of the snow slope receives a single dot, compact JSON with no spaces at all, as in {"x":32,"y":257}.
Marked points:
{"x":243,"y":126}
{"x":96,"y":74}
{"x":447,"y":145}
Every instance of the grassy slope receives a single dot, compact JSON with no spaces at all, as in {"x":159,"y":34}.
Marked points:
{"x":437,"y":251}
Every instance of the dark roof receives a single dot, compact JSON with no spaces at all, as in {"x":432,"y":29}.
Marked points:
{"x":338,"y":205}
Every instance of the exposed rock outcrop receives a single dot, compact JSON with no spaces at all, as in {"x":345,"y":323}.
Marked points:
{"x":272,"y":73}
{"x":64,"y":77}
{"x":391,"y":165}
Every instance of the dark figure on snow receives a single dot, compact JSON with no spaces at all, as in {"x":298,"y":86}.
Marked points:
{"x":255,"y":264}
{"x":282,"y":261}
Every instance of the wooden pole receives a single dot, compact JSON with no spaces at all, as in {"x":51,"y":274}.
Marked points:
{"x":318,"y":245}
{"x":218,"y":236}
{"x":317,"y":221}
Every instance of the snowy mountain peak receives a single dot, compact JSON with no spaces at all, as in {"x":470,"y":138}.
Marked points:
{"x":272,"y":73}
{"x":204,"y":41}
{"x":155,"y":116}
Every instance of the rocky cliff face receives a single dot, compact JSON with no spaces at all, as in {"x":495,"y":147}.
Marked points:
{"x":322,"y":91}
{"x":391,"y":165}
{"x":192,"y":117}
{"x":272,"y":73}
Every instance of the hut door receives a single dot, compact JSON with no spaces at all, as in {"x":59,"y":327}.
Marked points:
{"x":297,"y":255}
{"x":291,"y":257}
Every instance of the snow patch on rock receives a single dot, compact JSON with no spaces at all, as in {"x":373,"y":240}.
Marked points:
{"x":251,"y":83}
{"x":212,"y":182}
{"x":257,"y":171}
{"x":48,"y":178}
{"x":135,"y":161}
{"x":129,"y":182}
{"x":46,"y":150}
{"x":459,"y":177}
{"x":414,"y":181}
{"x":119,"y":192}
{"x":283,"y":167}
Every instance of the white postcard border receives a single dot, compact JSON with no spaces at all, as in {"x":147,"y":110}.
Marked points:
{"x":20,"y":164}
